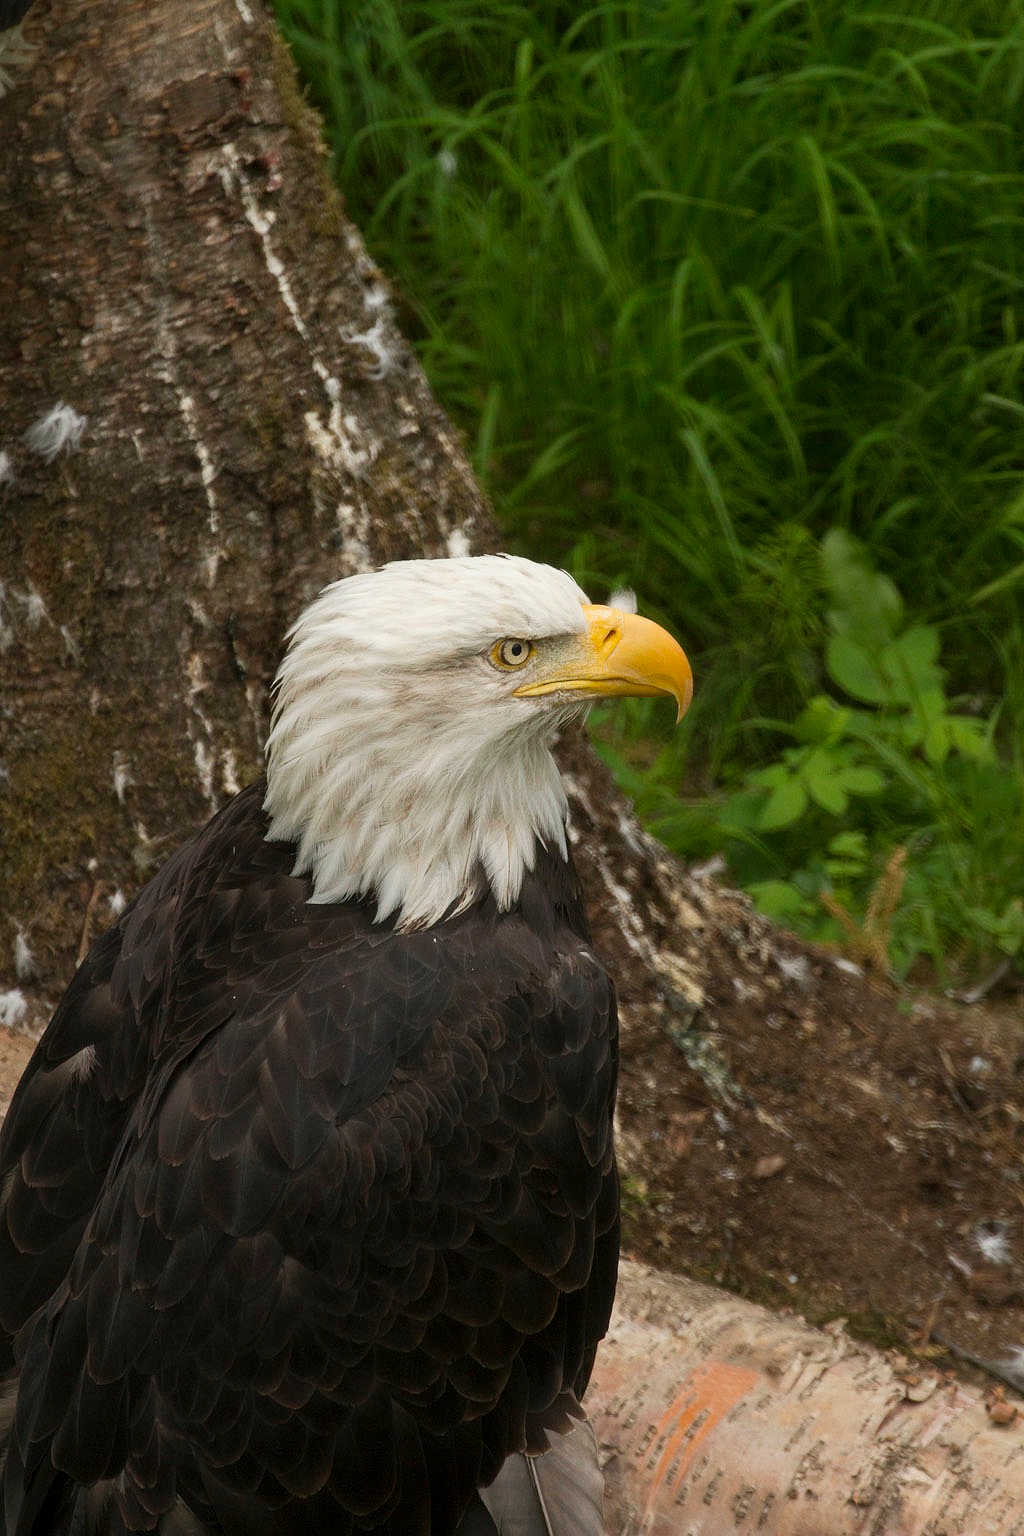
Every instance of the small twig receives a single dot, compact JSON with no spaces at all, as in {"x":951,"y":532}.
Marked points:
{"x":923,"y":1337}
{"x":946,"y":1072}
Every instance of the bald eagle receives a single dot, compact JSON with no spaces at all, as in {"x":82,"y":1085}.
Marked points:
{"x":309,"y":1205}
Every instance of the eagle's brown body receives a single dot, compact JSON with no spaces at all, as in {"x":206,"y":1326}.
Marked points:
{"x":306,"y":1222}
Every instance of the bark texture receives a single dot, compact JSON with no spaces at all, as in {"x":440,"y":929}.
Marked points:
{"x":248,"y":424}
{"x":717,"y":1418}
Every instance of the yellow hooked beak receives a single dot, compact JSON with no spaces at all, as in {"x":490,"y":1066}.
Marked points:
{"x":618,"y":653}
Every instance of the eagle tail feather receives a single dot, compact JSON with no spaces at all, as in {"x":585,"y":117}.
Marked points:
{"x":557,"y":1493}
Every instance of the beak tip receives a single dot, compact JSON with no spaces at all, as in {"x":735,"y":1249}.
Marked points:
{"x":686,"y":700}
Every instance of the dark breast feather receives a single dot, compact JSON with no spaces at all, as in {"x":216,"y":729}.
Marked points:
{"x":323,"y":1222}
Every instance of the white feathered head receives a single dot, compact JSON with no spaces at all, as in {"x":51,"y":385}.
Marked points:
{"x":415,"y":708}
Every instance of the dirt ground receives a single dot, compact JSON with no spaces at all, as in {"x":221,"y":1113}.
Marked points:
{"x":845,"y":1150}
{"x":15,"y":1050}
{"x":835,"y":1148}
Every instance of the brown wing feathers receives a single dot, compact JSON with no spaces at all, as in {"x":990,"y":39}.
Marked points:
{"x":324,"y":1226}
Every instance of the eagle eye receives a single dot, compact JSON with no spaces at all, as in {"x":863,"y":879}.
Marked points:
{"x":510,"y":654}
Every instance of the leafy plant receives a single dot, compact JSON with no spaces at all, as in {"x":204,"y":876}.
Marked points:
{"x":882,"y":762}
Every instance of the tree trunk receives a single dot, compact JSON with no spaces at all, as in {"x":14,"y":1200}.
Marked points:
{"x":242,"y":423}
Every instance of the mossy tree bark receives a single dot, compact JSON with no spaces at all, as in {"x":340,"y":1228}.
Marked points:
{"x":176,"y":269}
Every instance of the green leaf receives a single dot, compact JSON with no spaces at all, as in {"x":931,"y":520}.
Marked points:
{"x":911,"y":730}
{"x":866,"y":604}
{"x":588,"y":241}
{"x":821,"y":776}
{"x":740,"y":814}
{"x":900,"y":672}
{"x":774,"y":775}
{"x":820,"y":763}
{"x":847,"y":856}
{"x":822,"y":721}
{"x":970,"y":737}
{"x":785,"y":804}
{"x":936,"y":743}
{"x":778,"y":899}
{"x":828,"y":792}
{"x":939,"y":734}
{"x":862,"y":781}
{"x":849,"y":845}
{"x":855,"y":668}
{"x":909,"y":663}
{"x":1006,"y":927}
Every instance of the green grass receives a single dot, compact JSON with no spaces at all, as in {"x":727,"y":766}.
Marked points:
{"x":702,"y":282}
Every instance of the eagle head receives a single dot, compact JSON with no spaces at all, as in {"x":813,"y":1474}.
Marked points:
{"x":409,"y":755}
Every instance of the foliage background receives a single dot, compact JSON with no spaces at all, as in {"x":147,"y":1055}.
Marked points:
{"x":726,"y":298}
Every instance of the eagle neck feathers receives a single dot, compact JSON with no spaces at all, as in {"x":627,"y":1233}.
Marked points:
{"x":426,"y":839}
{"x":426,"y":830}
{"x":400,"y":761}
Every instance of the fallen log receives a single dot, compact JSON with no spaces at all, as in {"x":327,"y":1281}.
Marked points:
{"x":717,"y":1417}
